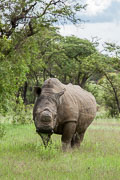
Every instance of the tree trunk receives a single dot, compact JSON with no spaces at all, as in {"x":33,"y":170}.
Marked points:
{"x":64,"y":79}
{"x":84,"y":79}
{"x":78,"y":78}
{"x":44,"y":74}
{"x":115,"y":92}
{"x":25,"y":92}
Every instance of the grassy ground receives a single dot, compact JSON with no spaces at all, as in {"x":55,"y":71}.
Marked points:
{"x":22,"y":156}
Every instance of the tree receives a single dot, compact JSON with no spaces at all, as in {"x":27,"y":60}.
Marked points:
{"x":41,"y":47}
{"x":81,"y":58}
{"x":111,"y":79}
{"x":111,"y":83}
{"x":28,"y":14}
{"x":70,"y":59}
{"x":20,"y":20}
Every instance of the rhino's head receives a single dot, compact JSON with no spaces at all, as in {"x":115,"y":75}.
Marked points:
{"x":45,"y":110}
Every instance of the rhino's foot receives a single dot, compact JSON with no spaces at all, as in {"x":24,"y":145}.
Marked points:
{"x":66,"y":147}
{"x":77,"y":139}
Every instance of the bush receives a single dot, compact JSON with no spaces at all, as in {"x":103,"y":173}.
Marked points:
{"x":111,"y":105}
{"x":96,"y":90}
{"x":22,"y":113}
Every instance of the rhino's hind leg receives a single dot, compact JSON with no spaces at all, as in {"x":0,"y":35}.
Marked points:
{"x":68,"y":132}
{"x":77,"y":139}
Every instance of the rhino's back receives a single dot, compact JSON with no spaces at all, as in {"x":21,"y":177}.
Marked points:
{"x":84,"y":99}
{"x":81,"y":100}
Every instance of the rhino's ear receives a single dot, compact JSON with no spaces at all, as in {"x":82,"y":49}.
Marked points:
{"x":60,"y":93}
{"x":37,"y":90}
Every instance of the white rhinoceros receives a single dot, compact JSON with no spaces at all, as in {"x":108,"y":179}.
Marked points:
{"x":63,"y":109}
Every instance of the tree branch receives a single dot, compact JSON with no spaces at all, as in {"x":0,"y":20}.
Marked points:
{"x":14,"y":21}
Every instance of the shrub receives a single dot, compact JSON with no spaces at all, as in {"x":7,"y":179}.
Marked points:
{"x":96,"y":90}
{"x":22,"y":113}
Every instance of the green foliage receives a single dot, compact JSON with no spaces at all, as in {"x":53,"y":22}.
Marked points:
{"x":21,"y":54}
{"x":12,"y":76}
{"x":34,"y":13}
{"x":22,"y":113}
{"x":70,"y":59}
{"x":80,"y":60}
{"x":110,"y":80}
{"x":96,"y":90}
{"x":111,"y":96}
{"x":103,"y":114}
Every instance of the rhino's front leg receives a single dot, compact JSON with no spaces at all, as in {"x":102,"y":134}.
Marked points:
{"x":68,"y":132}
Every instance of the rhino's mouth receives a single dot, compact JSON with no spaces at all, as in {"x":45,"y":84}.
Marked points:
{"x":46,"y":130}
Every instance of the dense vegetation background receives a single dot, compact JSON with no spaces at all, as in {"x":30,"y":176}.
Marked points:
{"x":32,"y":49}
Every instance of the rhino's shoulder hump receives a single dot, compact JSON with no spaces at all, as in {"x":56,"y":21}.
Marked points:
{"x":53,"y":83}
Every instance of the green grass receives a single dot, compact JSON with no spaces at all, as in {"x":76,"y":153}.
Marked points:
{"x":23,"y":157}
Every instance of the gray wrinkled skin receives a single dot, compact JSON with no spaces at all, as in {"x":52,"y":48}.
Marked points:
{"x":67,"y":110}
